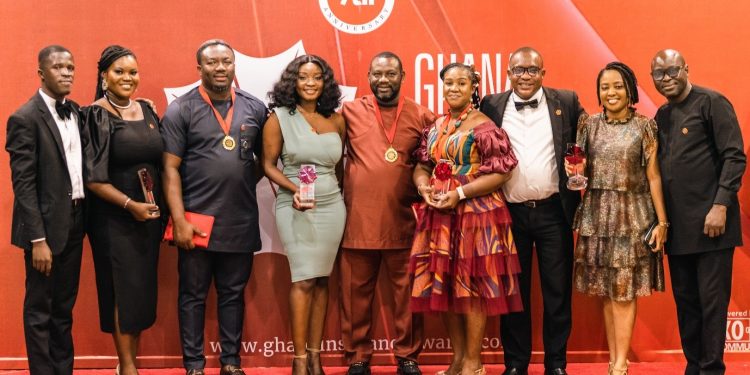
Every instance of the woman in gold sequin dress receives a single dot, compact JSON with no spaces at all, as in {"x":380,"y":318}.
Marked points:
{"x":623,"y":199}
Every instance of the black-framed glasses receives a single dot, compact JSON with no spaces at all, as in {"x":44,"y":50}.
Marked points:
{"x":519,"y":70}
{"x":672,"y":72}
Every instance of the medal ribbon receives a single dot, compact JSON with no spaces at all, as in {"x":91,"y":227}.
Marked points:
{"x":225,"y":124}
{"x":390,"y":135}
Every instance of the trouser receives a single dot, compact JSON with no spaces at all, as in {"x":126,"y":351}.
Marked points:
{"x":702,"y":285}
{"x":545,"y":228}
{"x":359,"y":275}
{"x":48,"y":305}
{"x":230,"y":273}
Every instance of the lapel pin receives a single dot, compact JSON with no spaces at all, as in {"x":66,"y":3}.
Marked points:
{"x":558,"y":112}
{"x":684,"y":130}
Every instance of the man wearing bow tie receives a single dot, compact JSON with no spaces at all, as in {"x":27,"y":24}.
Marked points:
{"x":46,"y":168}
{"x":539,"y":121}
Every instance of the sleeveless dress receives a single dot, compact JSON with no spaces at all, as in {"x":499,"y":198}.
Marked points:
{"x":616,"y":210}
{"x":465,"y":260}
{"x":311,"y":238}
{"x":125,"y":251}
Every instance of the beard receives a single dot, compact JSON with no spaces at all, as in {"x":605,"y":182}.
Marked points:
{"x":220,"y":88}
{"x":385,"y":98}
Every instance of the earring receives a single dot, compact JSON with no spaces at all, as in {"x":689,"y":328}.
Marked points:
{"x":104,"y":85}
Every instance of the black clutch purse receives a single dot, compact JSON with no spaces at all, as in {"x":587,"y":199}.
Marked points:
{"x":657,"y":265}
{"x":647,"y":235}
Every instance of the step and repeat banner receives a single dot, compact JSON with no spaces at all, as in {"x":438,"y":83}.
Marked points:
{"x":576,"y":39}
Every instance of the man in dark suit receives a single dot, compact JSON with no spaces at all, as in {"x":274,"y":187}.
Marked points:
{"x":702,"y":161}
{"x":46,"y":168}
{"x":539,"y":121}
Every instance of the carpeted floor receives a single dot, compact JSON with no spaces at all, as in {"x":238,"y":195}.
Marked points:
{"x":734,"y":368}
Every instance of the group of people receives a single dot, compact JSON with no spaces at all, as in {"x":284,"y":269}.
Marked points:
{"x":451,"y":207}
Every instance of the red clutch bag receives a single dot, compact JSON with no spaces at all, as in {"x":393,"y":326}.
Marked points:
{"x":203,"y":222}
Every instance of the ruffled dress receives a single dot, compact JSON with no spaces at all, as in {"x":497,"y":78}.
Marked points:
{"x":610,"y":258}
{"x":465,"y":260}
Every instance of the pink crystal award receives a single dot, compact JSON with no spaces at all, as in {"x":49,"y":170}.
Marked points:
{"x":307,"y":177}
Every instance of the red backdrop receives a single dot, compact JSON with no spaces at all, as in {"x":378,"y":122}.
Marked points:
{"x":576,"y":38}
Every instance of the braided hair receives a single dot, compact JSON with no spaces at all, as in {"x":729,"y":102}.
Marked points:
{"x":109,"y":56}
{"x":631,"y":83}
{"x":475,"y":77}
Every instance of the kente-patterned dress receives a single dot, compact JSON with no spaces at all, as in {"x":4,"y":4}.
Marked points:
{"x":610,"y":259}
{"x":465,"y":260}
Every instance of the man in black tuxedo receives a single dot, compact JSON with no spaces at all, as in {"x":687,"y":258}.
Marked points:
{"x":702,"y":161}
{"x":46,"y":167}
{"x":540,"y":122}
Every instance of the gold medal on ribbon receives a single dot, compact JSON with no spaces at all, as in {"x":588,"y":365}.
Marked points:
{"x":229,"y":143}
{"x":391,"y":155}
{"x":225,"y":123}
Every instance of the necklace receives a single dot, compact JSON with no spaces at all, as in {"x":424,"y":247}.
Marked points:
{"x":459,"y":120}
{"x":130,"y":102}
{"x":618,"y":121}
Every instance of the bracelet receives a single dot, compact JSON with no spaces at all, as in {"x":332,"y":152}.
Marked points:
{"x":664,"y":224}
{"x":460,"y":191}
{"x":125,"y":206}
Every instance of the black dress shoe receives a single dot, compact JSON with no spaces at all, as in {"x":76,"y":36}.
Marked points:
{"x":408,"y":367}
{"x":515,"y":371}
{"x":359,"y":368}
{"x":555,"y":371}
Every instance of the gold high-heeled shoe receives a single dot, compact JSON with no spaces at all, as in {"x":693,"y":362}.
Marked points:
{"x":481,"y":371}
{"x":620,"y":371}
{"x":447,"y":372}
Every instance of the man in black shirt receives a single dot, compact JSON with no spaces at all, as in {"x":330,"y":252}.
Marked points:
{"x":212,"y":138}
{"x":702,"y":162}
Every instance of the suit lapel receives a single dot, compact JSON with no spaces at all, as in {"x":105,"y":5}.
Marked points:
{"x":51,"y":125}
{"x":503,"y":102}
{"x":556,"y":120}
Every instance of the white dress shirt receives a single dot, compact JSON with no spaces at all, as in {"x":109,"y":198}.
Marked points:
{"x":71,"y":140}
{"x":530,"y":133}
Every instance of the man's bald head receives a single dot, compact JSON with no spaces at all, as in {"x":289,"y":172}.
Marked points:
{"x":670,"y":74}
{"x":668,"y":55}
{"x":532,"y":53}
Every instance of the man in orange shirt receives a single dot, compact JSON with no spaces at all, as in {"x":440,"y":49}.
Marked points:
{"x":383,"y":130}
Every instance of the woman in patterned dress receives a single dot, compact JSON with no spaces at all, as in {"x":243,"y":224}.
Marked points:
{"x":463,"y":262}
{"x":623,"y":199}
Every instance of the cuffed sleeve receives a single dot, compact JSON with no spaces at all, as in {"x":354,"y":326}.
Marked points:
{"x":729,"y":146}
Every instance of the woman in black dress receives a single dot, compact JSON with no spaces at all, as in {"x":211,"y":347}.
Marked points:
{"x":121,"y":138}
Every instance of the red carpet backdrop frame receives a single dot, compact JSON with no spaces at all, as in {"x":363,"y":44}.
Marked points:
{"x":576,"y":39}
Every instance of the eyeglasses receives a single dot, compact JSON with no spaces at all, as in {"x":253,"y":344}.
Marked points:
{"x":519,"y":70}
{"x":672,"y":72}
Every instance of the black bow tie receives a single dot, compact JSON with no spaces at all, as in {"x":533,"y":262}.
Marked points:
{"x":531,"y":103}
{"x":63,"y":109}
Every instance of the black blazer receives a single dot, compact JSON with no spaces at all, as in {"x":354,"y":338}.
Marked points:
{"x":41,"y":183}
{"x":564,"y":110}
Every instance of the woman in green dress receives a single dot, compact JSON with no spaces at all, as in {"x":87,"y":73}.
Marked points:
{"x":307,"y":133}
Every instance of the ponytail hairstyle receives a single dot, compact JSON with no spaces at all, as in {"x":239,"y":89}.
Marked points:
{"x":475,"y":78}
